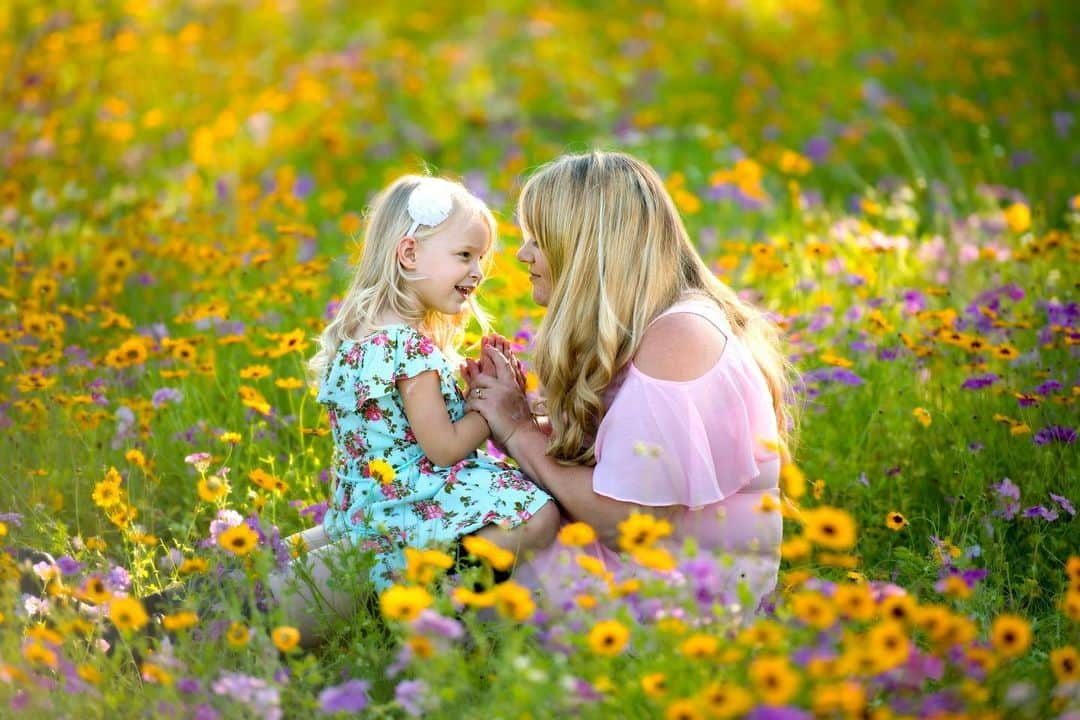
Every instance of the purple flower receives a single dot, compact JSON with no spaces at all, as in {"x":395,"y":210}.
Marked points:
{"x":13,"y":518}
{"x":978,"y":382}
{"x":1055,"y":433}
{"x":1064,"y":503}
{"x":205,"y":712}
{"x":68,"y":565}
{"x":1047,"y":387}
{"x":410,"y":695}
{"x":119,"y":578}
{"x":767,"y":712}
{"x":1047,"y":514}
{"x":1007,"y":489}
{"x":317,"y":512}
{"x":188,"y":686}
{"x":1009,"y":494}
{"x":846,"y":377}
{"x":1063,"y":120}
{"x":430,"y":622}
{"x":166,"y":395}
{"x":348,"y":697}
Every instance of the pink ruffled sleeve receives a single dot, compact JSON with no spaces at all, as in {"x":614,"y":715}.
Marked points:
{"x":686,"y":443}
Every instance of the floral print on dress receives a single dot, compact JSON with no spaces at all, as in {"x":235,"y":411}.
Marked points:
{"x":424,"y":504}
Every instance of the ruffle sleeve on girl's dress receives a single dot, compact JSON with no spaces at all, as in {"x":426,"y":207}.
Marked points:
{"x":688,"y":443}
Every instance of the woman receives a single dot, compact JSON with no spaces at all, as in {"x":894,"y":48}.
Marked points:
{"x":663,"y":389}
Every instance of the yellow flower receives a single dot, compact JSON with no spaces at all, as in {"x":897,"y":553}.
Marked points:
{"x":1010,"y":635}
{"x":591,"y":565}
{"x":422,"y":566}
{"x":888,"y":644}
{"x":641,"y":530}
{"x":895,"y":521}
{"x":285,"y":638}
{"x":773,"y":679}
{"x":239,"y":539}
{"x":795,"y":549}
{"x":483,"y":549}
{"x":1065,"y":663}
{"x":901,"y":608}
{"x":654,"y":558}
{"x":190,"y":566}
{"x":89,"y":673}
{"x":401,"y":602}
{"x":577,"y":534}
{"x":255,"y":372}
{"x":38,"y":654}
{"x":1018,"y":217}
{"x":608,"y":637}
{"x":854,"y":601}
{"x":699,"y":646}
{"x":726,"y":700}
{"x":468,"y":598}
{"x":289,"y":383}
{"x":267,"y":481}
{"x":1072,"y":571}
{"x":792,"y":481}
{"x":135,"y":457}
{"x":238,"y":635}
{"x":213,"y":488}
{"x":814,"y":609}
{"x":654,"y":684}
{"x":128,"y":613}
{"x":107,"y":494}
{"x":514,"y":601}
{"x":180,"y":621}
{"x":230,"y":437}
{"x":682,"y":710}
{"x":829,"y":527}
{"x":923,"y":416}
{"x":381,"y":471}
{"x":155,"y":674}
{"x":94,"y":591}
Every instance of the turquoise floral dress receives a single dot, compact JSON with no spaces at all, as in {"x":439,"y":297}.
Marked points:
{"x":423,"y":504}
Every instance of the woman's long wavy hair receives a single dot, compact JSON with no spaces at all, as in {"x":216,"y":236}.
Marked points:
{"x":380,"y":284}
{"x":619,"y":256}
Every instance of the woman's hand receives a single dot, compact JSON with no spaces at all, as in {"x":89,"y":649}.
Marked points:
{"x":507,"y":351}
{"x":496,"y":394}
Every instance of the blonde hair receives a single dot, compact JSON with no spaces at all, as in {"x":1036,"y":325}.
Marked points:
{"x":380,"y":284}
{"x":619,"y":256}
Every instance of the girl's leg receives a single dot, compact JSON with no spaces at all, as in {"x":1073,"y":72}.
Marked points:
{"x":537,"y":532}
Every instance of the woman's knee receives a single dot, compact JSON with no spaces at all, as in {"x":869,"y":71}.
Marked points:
{"x":543,"y":526}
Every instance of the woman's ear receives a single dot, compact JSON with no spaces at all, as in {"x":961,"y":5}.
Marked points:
{"x":406,"y":252}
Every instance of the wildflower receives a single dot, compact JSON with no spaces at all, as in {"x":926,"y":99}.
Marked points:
{"x":89,"y":674}
{"x":179,"y":621}
{"x":1018,"y":217}
{"x":267,"y":481}
{"x":238,"y":634}
{"x":577,"y":534}
{"x":1065,"y":663}
{"x":239,"y":539}
{"x":107,"y":494}
{"x":128,"y":613}
{"x":190,"y":566}
{"x":1072,"y":570}
{"x":792,"y":481}
{"x":895,"y":521}
{"x":430,"y":622}
{"x":773,"y":679}
{"x":213,"y":488}
{"x":514,"y":601}
{"x":37,"y":653}
{"x":829,"y":527}
{"x":953,"y":586}
{"x":136,"y":457}
{"x":1063,"y":503}
{"x":422,"y":566}
{"x":608,"y":637}
{"x":231,"y":438}
{"x":726,"y":700}
{"x":155,"y":674}
{"x":381,"y":471}
{"x":795,"y":549}
{"x":888,"y":643}
{"x":1055,"y":433}
{"x":923,"y":416}
{"x":410,"y":695}
{"x":255,"y":372}
{"x":657,"y":559}
{"x":94,"y":590}
{"x":654,"y":684}
{"x":854,"y":601}
{"x":285,"y":638}
{"x":200,"y":460}
{"x":699,"y":646}
{"x":400,"y":602}
{"x":682,"y":710}
{"x":1010,"y":635}
{"x":814,"y":609}
{"x":499,"y":558}
{"x":641,"y":530}
{"x":468,"y":598}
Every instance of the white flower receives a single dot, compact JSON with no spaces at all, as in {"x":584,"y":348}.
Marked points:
{"x":430,"y":203}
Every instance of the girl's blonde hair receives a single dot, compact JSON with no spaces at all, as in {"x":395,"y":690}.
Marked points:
{"x":619,"y":256}
{"x":380,"y":284}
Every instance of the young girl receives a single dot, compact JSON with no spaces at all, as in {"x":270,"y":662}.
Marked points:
{"x":407,"y":470}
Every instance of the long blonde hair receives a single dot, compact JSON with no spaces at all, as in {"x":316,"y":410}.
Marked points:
{"x":619,"y":256}
{"x":380,"y":284}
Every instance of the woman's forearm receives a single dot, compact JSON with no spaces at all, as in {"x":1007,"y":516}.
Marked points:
{"x":570,"y":485}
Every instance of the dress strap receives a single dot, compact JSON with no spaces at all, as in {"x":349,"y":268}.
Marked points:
{"x":703,"y":307}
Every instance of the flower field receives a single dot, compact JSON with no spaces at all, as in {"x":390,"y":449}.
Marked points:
{"x":182,"y":186}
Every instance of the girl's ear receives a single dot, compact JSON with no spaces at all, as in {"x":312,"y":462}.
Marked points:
{"x":406,"y":252}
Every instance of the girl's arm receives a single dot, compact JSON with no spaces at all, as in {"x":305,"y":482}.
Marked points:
{"x":443,"y":441}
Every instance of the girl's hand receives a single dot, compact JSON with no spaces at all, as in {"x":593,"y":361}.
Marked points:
{"x":498,"y":397}
{"x":507,"y":350}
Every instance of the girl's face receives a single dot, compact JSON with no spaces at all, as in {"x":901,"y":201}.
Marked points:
{"x":539,"y":270}
{"x":448,"y":263}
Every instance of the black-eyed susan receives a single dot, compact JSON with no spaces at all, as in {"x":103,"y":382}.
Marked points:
{"x":469,"y":598}
{"x":641,"y":530}
{"x":683,"y":709}
{"x":608,"y":637}
{"x":154,"y":673}
{"x":128,"y":613}
{"x":422,"y":566}
{"x":255,"y":372}
{"x":900,"y":607}
{"x":814,"y":609}
{"x":888,"y":644}
{"x":514,"y":601}
{"x":404,"y":602}
{"x":1065,"y":662}
{"x":181,"y":620}
{"x":483,"y":549}
{"x":922,"y":415}
{"x":796,"y":548}
{"x":654,"y":558}
{"x":232,"y":438}
{"x":285,"y":638}
{"x":239,"y":539}
{"x":238,"y":634}
{"x":267,"y":481}
{"x":854,"y":601}
{"x":107,"y":494}
{"x":191,"y":566}
{"x":37,"y":653}
{"x":577,"y":534}
{"x":1072,"y":571}
{"x":792,"y":481}
{"x":212,"y":488}
{"x":763,"y":633}
{"x":895,"y":521}
{"x":89,"y":673}
{"x":699,"y":646}
{"x":726,"y":700}
{"x":982,"y":657}
{"x":94,"y":590}
{"x":380,"y":470}
{"x":773,"y":678}
{"x":1010,"y":635}
{"x":829,"y":527}
{"x":933,"y":619}
{"x":654,"y":684}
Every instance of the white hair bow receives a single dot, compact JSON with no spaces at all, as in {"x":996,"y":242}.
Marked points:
{"x":430,"y":203}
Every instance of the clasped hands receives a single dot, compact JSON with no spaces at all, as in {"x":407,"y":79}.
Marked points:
{"x":496,"y":389}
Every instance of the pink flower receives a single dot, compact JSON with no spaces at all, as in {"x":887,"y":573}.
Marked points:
{"x":372,"y":411}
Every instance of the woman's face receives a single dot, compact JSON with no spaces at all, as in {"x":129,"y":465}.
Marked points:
{"x":539,"y":270}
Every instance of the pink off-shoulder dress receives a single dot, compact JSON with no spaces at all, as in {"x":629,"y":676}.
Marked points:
{"x":706,"y":448}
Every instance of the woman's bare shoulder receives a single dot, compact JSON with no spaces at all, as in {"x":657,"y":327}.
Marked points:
{"x":680,"y":347}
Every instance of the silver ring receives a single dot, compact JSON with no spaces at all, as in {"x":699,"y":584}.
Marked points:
{"x":480,"y":393}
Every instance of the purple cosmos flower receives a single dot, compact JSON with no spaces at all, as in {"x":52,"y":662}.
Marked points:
{"x":978,"y":382}
{"x":768,"y":712}
{"x":410,"y":694}
{"x":12,"y":518}
{"x":317,"y":512}
{"x":188,"y":686}
{"x":256,"y":693}
{"x":68,"y":565}
{"x":1009,"y":494}
{"x":430,"y":622}
{"x":846,"y":377}
{"x":1055,"y":433}
{"x":1047,"y":387}
{"x":205,"y":712}
{"x":817,"y":148}
{"x":119,"y":578}
{"x":1047,"y":514}
{"x":1064,"y":503}
{"x":166,"y":395}
{"x":351,"y":696}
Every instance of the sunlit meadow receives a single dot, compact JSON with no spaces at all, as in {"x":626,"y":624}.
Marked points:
{"x":182,"y":185}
